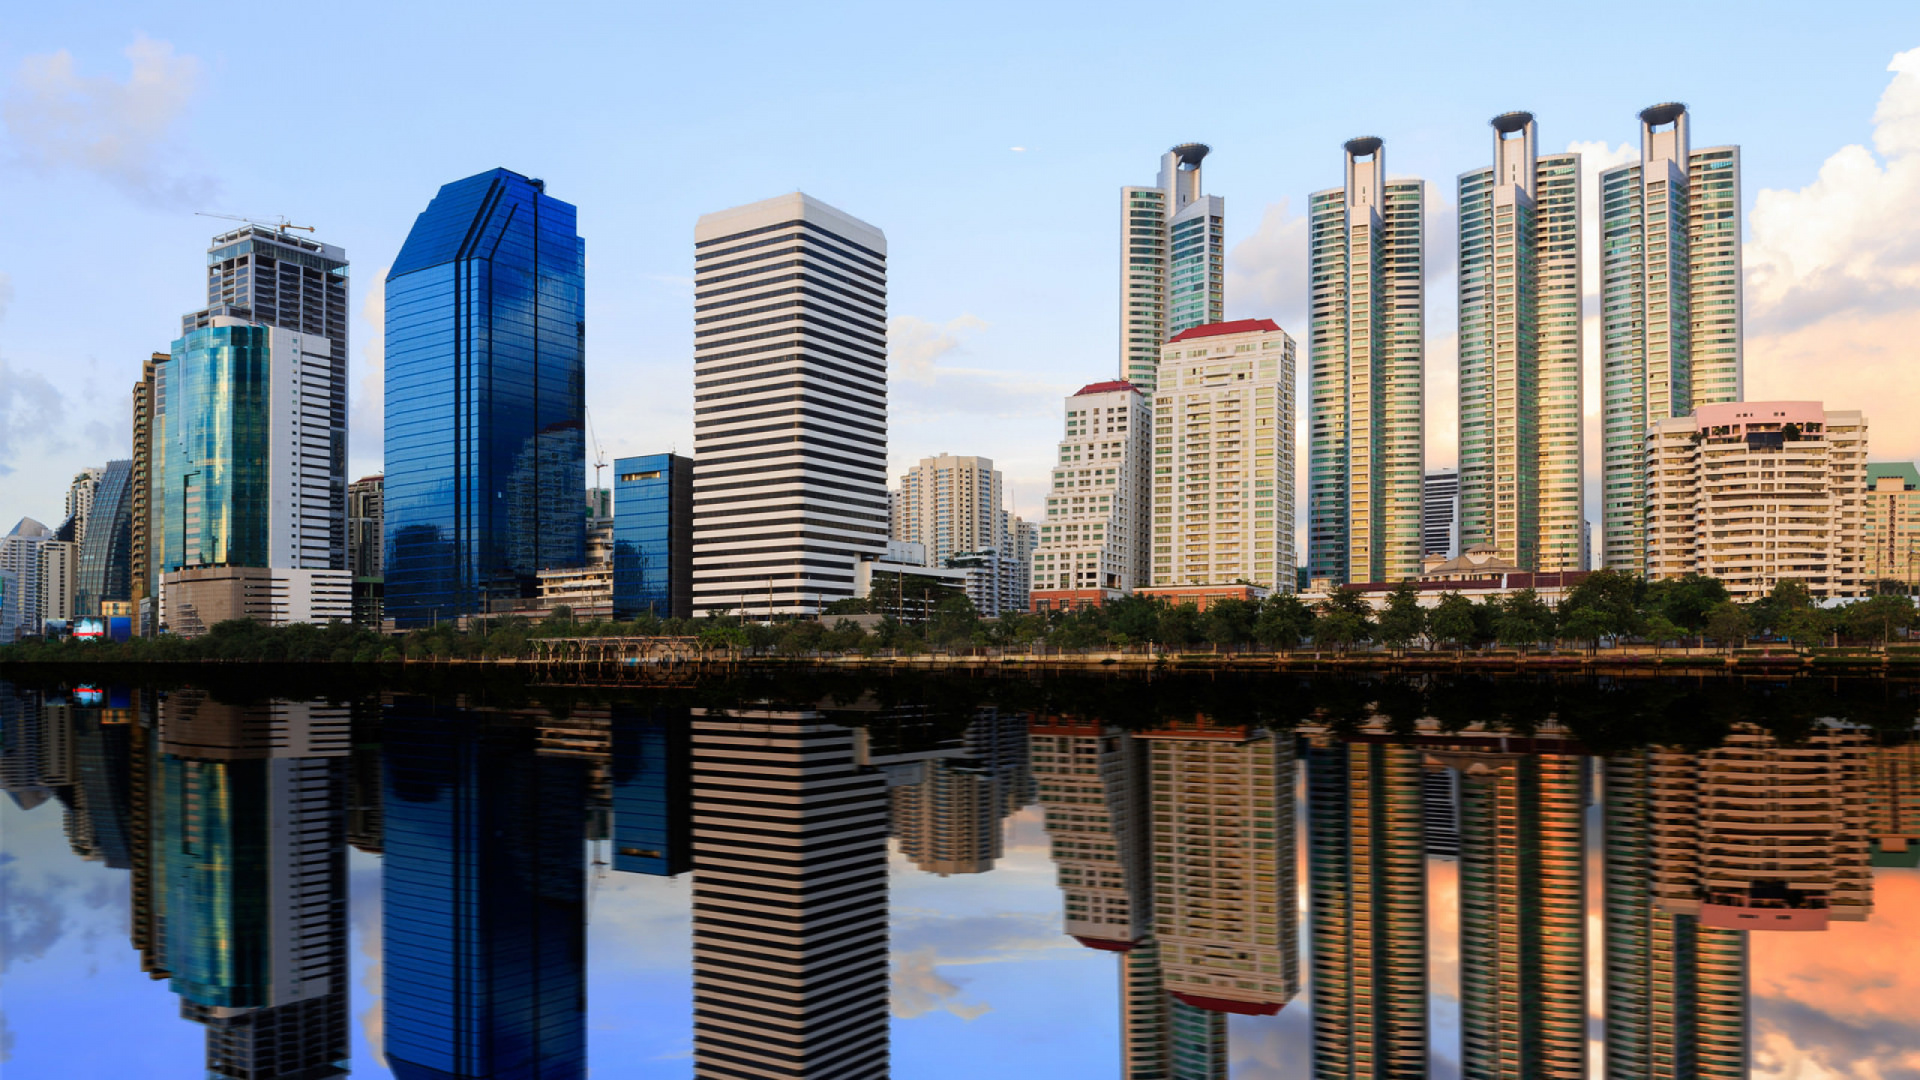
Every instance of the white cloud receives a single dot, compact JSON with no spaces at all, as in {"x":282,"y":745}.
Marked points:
{"x":368,"y":398}
{"x":914,"y":344}
{"x":1833,"y":278}
{"x":919,"y":989}
{"x":6,"y":294}
{"x":115,"y":129}
{"x":30,"y":406}
{"x":1267,"y":272}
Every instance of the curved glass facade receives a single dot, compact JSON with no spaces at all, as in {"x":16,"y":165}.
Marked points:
{"x":106,"y":555}
{"x":485,"y":399}
{"x":214,"y":473}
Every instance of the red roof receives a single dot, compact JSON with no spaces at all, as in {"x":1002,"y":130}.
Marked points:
{"x":1223,"y":1005}
{"x":1237,"y":326}
{"x":1107,"y":387}
{"x":1104,"y":944}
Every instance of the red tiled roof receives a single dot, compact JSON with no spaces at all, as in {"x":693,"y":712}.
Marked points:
{"x":1107,"y":387}
{"x":1238,"y":326}
{"x":1225,"y":1005}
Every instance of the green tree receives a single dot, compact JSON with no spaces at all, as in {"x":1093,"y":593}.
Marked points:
{"x":1452,"y":620}
{"x":1229,"y":621}
{"x":1338,"y":627}
{"x":1729,"y":624}
{"x":1283,"y":621}
{"x":1404,"y":619}
{"x":1660,"y":630}
{"x":1524,"y":620}
{"x":1179,"y":626}
{"x":1686,"y":600}
{"x":1588,"y":624}
{"x":1878,"y":618}
{"x":1617,"y":598}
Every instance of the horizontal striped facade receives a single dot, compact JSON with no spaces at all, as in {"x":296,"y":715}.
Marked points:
{"x":790,"y":961}
{"x":790,"y":406}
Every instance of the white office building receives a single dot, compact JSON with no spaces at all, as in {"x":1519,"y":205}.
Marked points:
{"x":1440,"y":514}
{"x":1670,"y":312}
{"x":1172,"y":261}
{"x":1093,"y":544}
{"x":1223,"y":457}
{"x":790,"y":405}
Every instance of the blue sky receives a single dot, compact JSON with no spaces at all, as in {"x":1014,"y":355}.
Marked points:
{"x":987,"y":140}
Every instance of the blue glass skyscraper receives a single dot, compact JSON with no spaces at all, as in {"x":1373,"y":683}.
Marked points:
{"x":106,"y":555}
{"x":485,"y":399}
{"x":653,"y":536}
{"x":652,"y":767}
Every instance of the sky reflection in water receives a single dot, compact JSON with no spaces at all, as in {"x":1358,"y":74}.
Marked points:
{"x":1271,"y":880}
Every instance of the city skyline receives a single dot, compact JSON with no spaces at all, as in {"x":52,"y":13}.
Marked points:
{"x":942,"y":319}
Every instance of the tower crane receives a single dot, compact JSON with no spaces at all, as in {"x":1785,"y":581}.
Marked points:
{"x":599,"y":454}
{"x":281,"y":223}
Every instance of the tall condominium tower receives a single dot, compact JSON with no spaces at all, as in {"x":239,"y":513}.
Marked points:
{"x":1676,"y":991}
{"x":1520,"y":388}
{"x":1366,"y":257}
{"x":254,"y":903}
{"x":1091,"y":783}
{"x":1440,"y":514}
{"x":790,"y":404}
{"x":789,"y":900}
{"x":1223,"y":457}
{"x":1172,"y":261}
{"x":1368,"y":909}
{"x":1670,"y":315}
{"x":1093,"y":546}
{"x":483,"y":898}
{"x":952,"y":504}
{"x":144,"y":583}
{"x":1522,"y":912}
{"x":485,"y":392}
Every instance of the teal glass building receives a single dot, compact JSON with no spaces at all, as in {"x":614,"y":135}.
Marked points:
{"x":214,"y":476}
{"x":485,"y":399}
{"x":106,"y":555}
{"x":653,"y":537}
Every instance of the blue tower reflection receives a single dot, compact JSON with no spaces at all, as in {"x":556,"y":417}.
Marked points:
{"x":484,"y":900}
{"x":652,"y":791}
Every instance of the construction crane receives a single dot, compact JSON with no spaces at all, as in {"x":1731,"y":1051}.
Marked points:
{"x":599,"y":454}
{"x":281,"y":224}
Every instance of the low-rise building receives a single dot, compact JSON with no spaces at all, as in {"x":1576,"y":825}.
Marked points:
{"x":585,"y":590}
{"x":194,"y":600}
{"x":1759,"y":492}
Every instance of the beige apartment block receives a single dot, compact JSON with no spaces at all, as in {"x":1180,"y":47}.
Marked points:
{"x":1093,"y":545}
{"x":1756,"y":493}
{"x":1893,"y":522}
{"x":194,"y":600}
{"x":1223,"y":457}
{"x":952,"y":503}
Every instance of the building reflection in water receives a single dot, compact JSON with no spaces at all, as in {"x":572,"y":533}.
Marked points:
{"x":248,"y":867}
{"x":483,"y":898}
{"x":790,"y":963}
{"x":1174,"y":849}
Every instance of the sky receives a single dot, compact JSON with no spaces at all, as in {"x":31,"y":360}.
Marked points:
{"x":988,"y":140}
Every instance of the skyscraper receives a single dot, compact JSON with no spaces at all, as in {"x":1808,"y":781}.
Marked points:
{"x":366,"y":517}
{"x":106,"y":556}
{"x":653,"y":537}
{"x":1440,"y":514}
{"x":790,"y":336}
{"x":1366,"y":356}
{"x":1891,"y":525}
{"x":952,"y":504}
{"x":652,"y":817}
{"x":790,"y":928}
{"x":1172,"y":262}
{"x":483,"y":899}
{"x":80,"y":500}
{"x":1368,"y":910}
{"x":1521,"y":453}
{"x":20,"y":578}
{"x":1670,"y":313}
{"x":1093,"y":545}
{"x":485,"y":391}
{"x":1223,"y":457}
{"x":144,"y":584}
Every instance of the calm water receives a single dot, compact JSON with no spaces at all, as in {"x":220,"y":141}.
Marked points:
{"x":824,"y":878}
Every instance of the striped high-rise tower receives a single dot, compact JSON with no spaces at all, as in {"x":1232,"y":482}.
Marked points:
{"x":1520,"y":387}
{"x":1366,"y":354}
{"x":1670,"y":313}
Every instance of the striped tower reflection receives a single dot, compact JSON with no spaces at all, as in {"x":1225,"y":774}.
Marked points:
{"x":789,"y":900}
